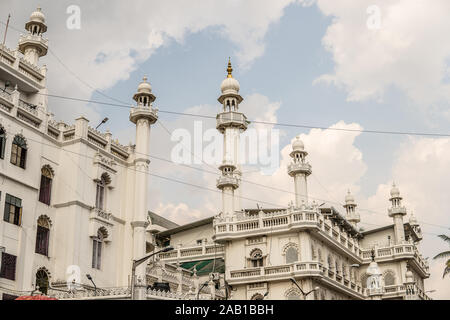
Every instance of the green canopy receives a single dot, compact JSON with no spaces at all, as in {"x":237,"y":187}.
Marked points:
{"x":205,"y":267}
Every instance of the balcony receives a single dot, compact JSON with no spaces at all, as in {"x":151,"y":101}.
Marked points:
{"x":400,"y":251}
{"x":227,"y":181}
{"x":231,"y":119}
{"x":146,"y":112}
{"x":194,"y":253}
{"x":283,"y":221}
{"x":28,"y":77}
{"x":397,"y":210}
{"x":299,"y":167}
{"x":296,"y":270}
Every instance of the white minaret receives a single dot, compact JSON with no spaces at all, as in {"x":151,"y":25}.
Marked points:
{"x":299,"y":169}
{"x":143,"y":115}
{"x":397,"y":211}
{"x":350,"y":207}
{"x":33,"y":45}
{"x":230,"y":122}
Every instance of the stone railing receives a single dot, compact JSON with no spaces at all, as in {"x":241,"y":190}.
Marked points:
{"x":298,"y":269}
{"x":120,"y":293}
{"x":203,"y":251}
{"x":285,"y":220}
{"x":96,"y":212}
{"x":6,"y":96}
{"x":405,"y":250}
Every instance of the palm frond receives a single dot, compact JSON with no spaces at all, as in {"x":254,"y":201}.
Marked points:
{"x":444,"y":237}
{"x":445,"y":254}
{"x":446,"y":271}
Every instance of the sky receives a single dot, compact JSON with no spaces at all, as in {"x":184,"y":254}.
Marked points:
{"x":372,"y":65}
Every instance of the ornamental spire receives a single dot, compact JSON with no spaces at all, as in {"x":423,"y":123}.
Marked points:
{"x":230,"y":69}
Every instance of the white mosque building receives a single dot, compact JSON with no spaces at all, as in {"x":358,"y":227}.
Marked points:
{"x":75,"y":213}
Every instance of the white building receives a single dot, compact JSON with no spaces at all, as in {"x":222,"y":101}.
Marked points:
{"x":75,"y":203}
{"x":261,"y":252}
{"x":74,"y":199}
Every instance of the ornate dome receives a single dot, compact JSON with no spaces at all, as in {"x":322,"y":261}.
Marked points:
{"x":298,"y":145}
{"x":395,"y":192}
{"x":37,"y":16}
{"x":144,"y":86}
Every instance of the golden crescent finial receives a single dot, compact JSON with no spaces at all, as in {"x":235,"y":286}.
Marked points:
{"x":229,"y":69}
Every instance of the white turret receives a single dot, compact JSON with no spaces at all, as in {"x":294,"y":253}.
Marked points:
{"x":374,"y":283}
{"x":34,"y":45}
{"x":350,"y":207}
{"x":299,"y":169}
{"x":397,"y":211}
{"x":143,"y":116}
{"x":410,"y":285}
{"x":230,"y":123}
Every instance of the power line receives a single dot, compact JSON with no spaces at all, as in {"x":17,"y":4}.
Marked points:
{"x":279,"y":124}
{"x":206,"y":188}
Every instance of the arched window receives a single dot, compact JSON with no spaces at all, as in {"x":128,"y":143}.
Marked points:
{"x":293,"y":294}
{"x":364,"y":278}
{"x":319,"y":254}
{"x":256,"y":258}
{"x":45,"y":191}
{"x":42,"y":281}
{"x":389,"y":278}
{"x":97,"y":244}
{"x":100,"y":198}
{"x":2,"y":142}
{"x":19,"y":152}
{"x":291,"y":255}
{"x":257,"y":296}
{"x":330,"y":262}
{"x":43,"y":235}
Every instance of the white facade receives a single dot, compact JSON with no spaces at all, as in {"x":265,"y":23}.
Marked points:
{"x":77,"y":206}
{"x":98,"y":195}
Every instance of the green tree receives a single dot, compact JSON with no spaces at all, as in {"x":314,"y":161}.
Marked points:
{"x":444,"y":254}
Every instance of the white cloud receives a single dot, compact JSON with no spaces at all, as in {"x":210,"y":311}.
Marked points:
{"x":410,"y":51}
{"x":115,"y":37}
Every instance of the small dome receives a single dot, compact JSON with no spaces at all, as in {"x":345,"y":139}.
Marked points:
{"x":349,"y":199}
{"x":373,"y":269}
{"x":144,"y":86}
{"x":37,"y":16}
{"x":298,"y":145}
{"x":413,"y":220}
{"x":230,"y":85}
{"x":395,"y":192}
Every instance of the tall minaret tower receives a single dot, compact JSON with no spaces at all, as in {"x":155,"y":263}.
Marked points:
{"x":33,"y":45}
{"x":299,"y":169}
{"x":397,"y":211}
{"x":230,"y":122}
{"x":350,"y":206}
{"x":143,"y":115}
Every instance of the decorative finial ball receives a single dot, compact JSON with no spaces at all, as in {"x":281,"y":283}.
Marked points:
{"x":298,"y":145}
{"x":37,"y":16}
{"x":144,"y":86}
{"x":395,"y":192}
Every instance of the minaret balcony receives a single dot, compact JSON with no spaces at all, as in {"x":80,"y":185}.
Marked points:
{"x":15,"y":69}
{"x":397,"y":210}
{"x":33,"y":40}
{"x":147,"y":112}
{"x":227,"y":181}
{"x":231,"y":119}
{"x":299,"y":168}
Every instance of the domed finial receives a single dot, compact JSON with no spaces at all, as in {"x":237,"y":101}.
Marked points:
{"x":145,"y":78}
{"x":230,"y":69}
